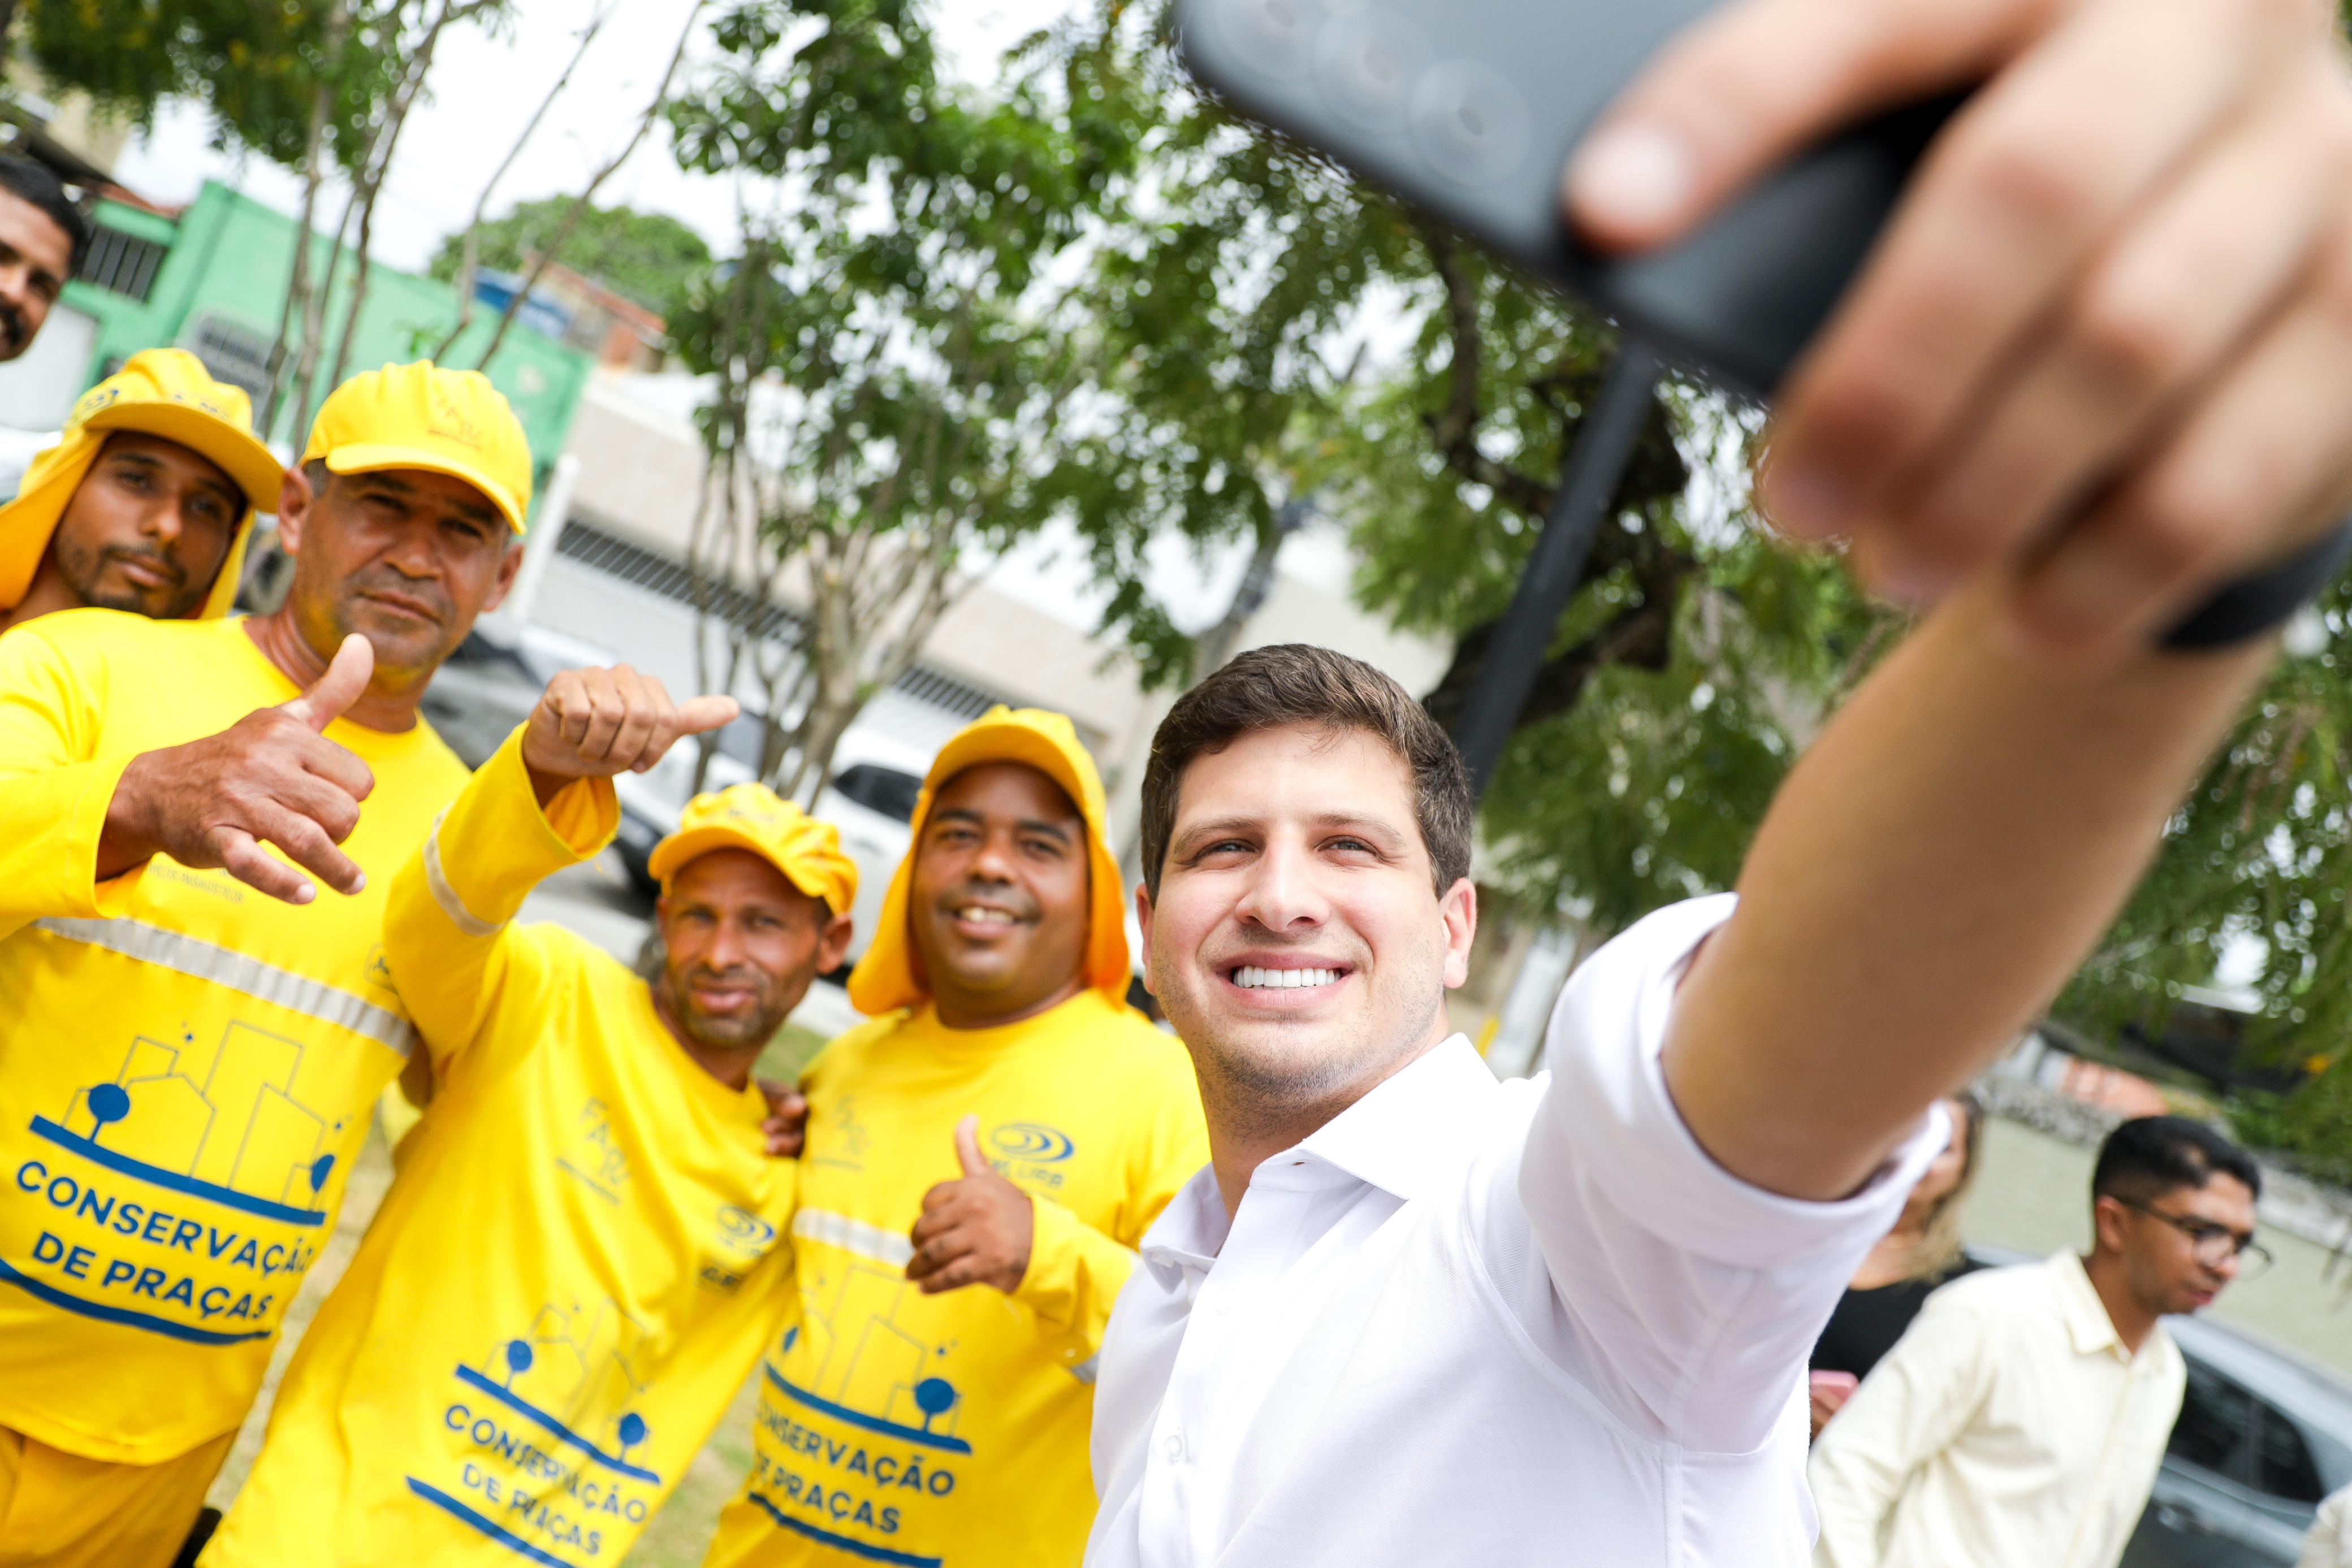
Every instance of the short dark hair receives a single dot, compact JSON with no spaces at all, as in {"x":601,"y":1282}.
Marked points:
{"x":2148,"y":1157}
{"x":1295,"y":683}
{"x":30,"y":181}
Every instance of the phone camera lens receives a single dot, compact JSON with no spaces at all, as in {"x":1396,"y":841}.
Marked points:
{"x":1273,"y":37}
{"x":1367,"y":61}
{"x":1469,"y":122}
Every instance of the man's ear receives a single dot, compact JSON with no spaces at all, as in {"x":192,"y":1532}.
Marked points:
{"x":1143,"y":921}
{"x":1458,"y":909}
{"x":834,"y":945}
{"x":294,"y":500}
{"x":2106,"y":1225}
{"x":509,"y":566}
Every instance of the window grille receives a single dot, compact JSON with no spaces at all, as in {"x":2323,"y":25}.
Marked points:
{"x":122,"y":263}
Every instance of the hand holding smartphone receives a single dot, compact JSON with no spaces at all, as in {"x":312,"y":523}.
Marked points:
{"x":2097,"y":342}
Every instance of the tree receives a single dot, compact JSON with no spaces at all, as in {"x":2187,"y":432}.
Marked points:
{"x":2260,"y":853}
{"x":323,"y":87}
{"x":905,"y":296}
{"x":649,"y":257}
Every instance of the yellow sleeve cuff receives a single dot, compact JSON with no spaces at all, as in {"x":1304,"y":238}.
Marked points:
{"x":48,"y":843}
{"x":495,"y":844}
{"x":1075,"y":1274}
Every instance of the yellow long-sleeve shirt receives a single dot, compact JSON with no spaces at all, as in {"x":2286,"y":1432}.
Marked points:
{"x":952,"y":1429}
{"x":186,"y":1065}
{"x":572,"y":1274}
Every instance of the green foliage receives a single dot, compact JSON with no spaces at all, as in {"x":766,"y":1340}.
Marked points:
{"x":255,"y":66}
{"x":2262,"y":848}
{"x":649,"y":257}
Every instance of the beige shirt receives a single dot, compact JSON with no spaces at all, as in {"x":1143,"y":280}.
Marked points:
{"x":2009,"y":1425}
{"x":2329,"y":1544}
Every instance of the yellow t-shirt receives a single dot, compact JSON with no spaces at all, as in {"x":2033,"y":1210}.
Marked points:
{"x":575,"y":1270}
{"x":186,"y":1064}
{"x":952,"y":1429}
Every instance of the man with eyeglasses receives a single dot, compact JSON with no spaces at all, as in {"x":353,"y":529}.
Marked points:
{"x":2023,"y":1418}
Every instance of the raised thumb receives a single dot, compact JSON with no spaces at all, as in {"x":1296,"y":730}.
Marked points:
{"x":347,"y":677}
{"x":698,"y":716}
{"x":968,"y":1148}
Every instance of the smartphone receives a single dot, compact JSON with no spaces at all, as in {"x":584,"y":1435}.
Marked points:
{"x":1468,"y":109}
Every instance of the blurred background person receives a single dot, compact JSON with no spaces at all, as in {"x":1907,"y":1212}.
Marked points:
{"x":1922,"y":1252}
{"x":2024,"y":1417}
{"x":43,"y":238}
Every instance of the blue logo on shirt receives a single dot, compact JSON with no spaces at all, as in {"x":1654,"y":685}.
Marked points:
{"x":1031,"y":1140}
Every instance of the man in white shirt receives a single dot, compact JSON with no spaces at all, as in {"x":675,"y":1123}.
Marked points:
{"x":1410,"y":1315}
{"x":2023,"y":1417}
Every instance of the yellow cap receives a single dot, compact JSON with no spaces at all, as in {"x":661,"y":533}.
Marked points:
{"x":164,"y":393}
{"x":421,"y":417}
{"x":887,"y":976}
{"x":753,"y":817}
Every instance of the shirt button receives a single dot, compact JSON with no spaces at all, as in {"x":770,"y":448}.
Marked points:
{"x":1174,"y":1448}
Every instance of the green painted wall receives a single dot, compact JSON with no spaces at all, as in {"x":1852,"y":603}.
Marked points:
{"x":229,"y":263}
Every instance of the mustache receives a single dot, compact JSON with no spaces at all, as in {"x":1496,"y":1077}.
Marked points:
{"x":386,"y":579}
{"x":161,"y":560}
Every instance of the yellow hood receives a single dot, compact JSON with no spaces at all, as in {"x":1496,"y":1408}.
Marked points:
{"x":887,"y":976}
{"x":164,"y":393}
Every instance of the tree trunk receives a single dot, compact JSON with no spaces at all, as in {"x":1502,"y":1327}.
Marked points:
{"x":387,"y":143}
{"x":470,"y":266}
{"x":314,"y":176}
{"x":580,"y":204}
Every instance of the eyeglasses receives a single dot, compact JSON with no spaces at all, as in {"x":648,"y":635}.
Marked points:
{"x":2213,"y":1245}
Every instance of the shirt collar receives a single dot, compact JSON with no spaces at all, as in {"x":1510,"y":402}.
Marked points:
{"x":1189,"y":1232}
{"x":2088,"y":1326}
{"x":1416,"y":1125}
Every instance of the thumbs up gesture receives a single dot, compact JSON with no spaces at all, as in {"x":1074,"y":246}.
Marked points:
{"x":270,"y":778}
{"x":975,"y":1230}
{"x":594,"y":724}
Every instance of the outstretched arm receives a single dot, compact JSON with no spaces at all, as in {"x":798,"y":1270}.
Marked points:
{"x":542,"y":802}
{"x":1934,"y":867}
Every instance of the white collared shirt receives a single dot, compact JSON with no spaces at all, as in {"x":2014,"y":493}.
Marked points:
{"x":2008,"y":1425}
{"x":1478,"y":1323}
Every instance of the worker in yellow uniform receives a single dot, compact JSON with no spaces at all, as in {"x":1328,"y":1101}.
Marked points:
{"x":1007,"y":1121}
{"x":197,"y":819}
{"x":586,"y":1249}
{"x":146,"y":502}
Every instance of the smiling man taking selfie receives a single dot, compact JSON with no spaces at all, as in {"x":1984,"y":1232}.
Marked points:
{"x":2091,"y":373}
{"x":982,"y":1159}
{"x":192,"y":1031}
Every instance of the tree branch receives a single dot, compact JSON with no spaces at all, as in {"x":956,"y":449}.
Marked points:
{"x":580,"y":204}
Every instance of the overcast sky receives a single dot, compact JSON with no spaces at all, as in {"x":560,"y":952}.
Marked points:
{"x":483,"y":89}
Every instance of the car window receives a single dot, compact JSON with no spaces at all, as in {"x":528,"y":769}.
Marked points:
{"x":878,"y":789}
{"x":2283,"y":1462}
{"x":2217,"y":1417}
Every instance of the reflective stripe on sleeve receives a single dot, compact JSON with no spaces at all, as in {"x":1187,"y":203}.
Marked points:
{"x":239,"y":972}
{"x":853,"y":1236}
{"x":463,"y":919}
